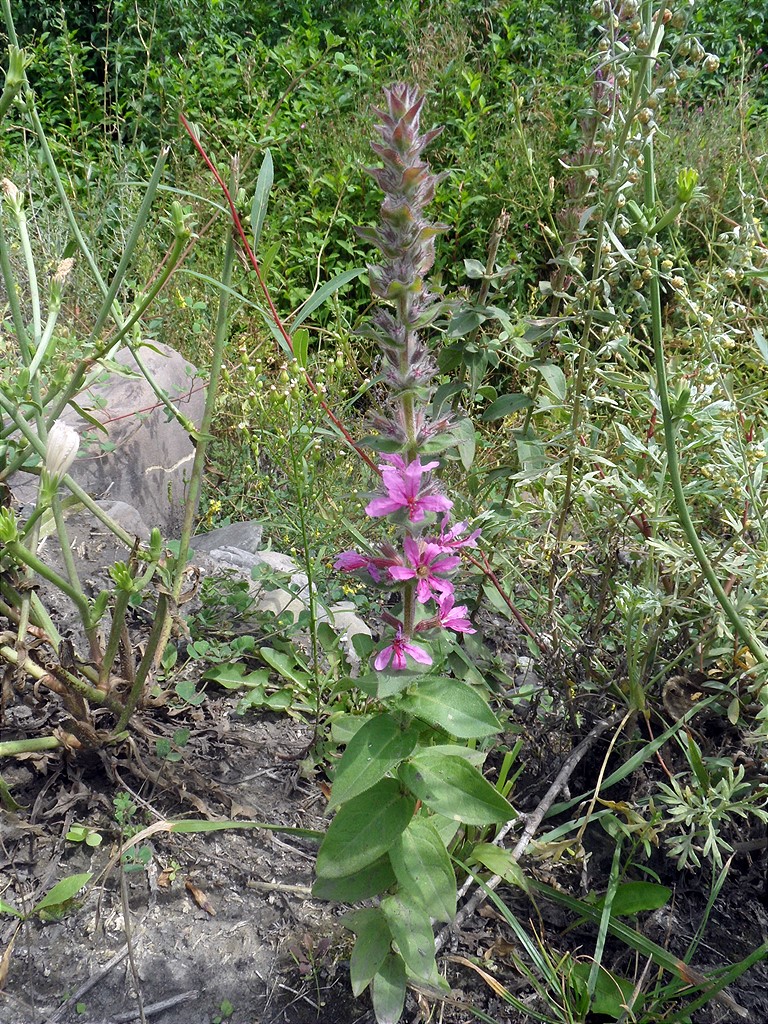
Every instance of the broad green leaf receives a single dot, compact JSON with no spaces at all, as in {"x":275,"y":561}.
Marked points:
{"x":64,"y":890}
{"x":423,"y":869}
{"x":364,"y":829}
{"x":475,"y":757}
{"x":261,"y":197}
{"x":474,"y":269}
{"x":372,"y":880}
{"x":451,"y":786}
{"x":388,"y":990}
{"x":453,"y":706}
{"x":463,"y":433}
{"x":236,"y":676}
{"x":505,"y":406}
{"x":464,"y":322}
{"x":555,"y":379}
{"x":374,"y":750}
{"x":411,"y":930}
{"x":387,"y":684}
{"x":285,"y":665}
{"x":635,"y":897}
{"x":500,"y":862}
{"x":344,"y":726}
{"x":611,"y":992}
{"x":371,"y":946}
{"x":446,"y":828}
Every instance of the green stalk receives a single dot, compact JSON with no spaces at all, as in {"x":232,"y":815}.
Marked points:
{"x":12,"y":748}
{"x":12,"y":296}
{"x":91,"y":693}
{"x":155,"y":643}
{"x":115,"y":634}
{"x":198,"y":465}
{"x":91,"y":630}
{"x":741,"y":628}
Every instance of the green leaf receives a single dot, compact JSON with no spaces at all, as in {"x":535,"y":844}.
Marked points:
{"x":505,"y":406}
{"x":464,"y":322}
{"x":373,"y":751}
{"x":635,"y":897}
{"x":371,"y":946}
{"x":6,"y":908}
{"x":463,"y":433}
{"x":411,"y":930}
{"x":261,"y":197}
{"x":501,"y":863}
{"x":63,"y":891}
{"x":325,"y":291}
{"x":236,"y":676}
{"x":612,"y":993}
{"x":301,"y":346}
{"x":364,"y":829}
{"x":451,"y":786}
{"x":453,"y":706}
{"x":472,"y":756}
{"x":474,"y":270}
{"x":285,"y":665}
{"x":388,"y":990}
{"x":372,"y":880}
{"x":423,"y":869}
{"x":555,"y":379}
{"x":344,"y":725}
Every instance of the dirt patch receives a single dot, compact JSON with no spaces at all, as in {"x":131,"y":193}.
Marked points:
{"x":200,"y":928}
{"x":222,"y":919}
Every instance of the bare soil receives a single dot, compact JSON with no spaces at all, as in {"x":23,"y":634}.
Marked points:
{"x":223,"y":923}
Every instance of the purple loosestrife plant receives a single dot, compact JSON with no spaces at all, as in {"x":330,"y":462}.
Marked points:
{"x":409,"y":497}
{"x":403,"y":786}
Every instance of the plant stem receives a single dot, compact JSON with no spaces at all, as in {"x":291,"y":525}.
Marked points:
{"x":740,"y":626}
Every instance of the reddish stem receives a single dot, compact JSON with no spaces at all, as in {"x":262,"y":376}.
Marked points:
{"x":273,"y":311}
{"x":491,"y":575}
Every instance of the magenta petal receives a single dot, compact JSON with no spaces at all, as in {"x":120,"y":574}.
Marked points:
{"x":348,"y":561}
{"x":417,"y":653}
{"x":383,"y":658}
{"x":411,"y":549}
{"x":401,"y":572}
{"x":435,"y":503}
{"x":382,"y":507}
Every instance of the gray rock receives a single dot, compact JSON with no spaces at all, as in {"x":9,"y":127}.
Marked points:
{"x":245,"y":536}
{"x":149,"y":458}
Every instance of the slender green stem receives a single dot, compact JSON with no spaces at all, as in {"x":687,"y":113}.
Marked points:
{"x":115,"y":633}
{"x":65,"y":547}
{"x":61,"y":675}
{"x":20,"y":553}
{"x":198,"y":465}
{"x":142,"y":672}
{"x":12,"y":748}
{"x":740,"y":626}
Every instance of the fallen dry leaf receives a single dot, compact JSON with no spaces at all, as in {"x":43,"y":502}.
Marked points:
{"x":199,"y":897}
{"x":5,"y":960}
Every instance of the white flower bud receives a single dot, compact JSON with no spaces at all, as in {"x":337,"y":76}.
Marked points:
{"x":61,"y":449}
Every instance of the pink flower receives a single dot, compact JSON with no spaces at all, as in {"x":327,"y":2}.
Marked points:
{"x":396,"y":653}
{"x":449,"y":539}
{"x":352,"y":561}
{"x":403,"y":486}
{"x":457,"y":618}
{"x":429,"y":565}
